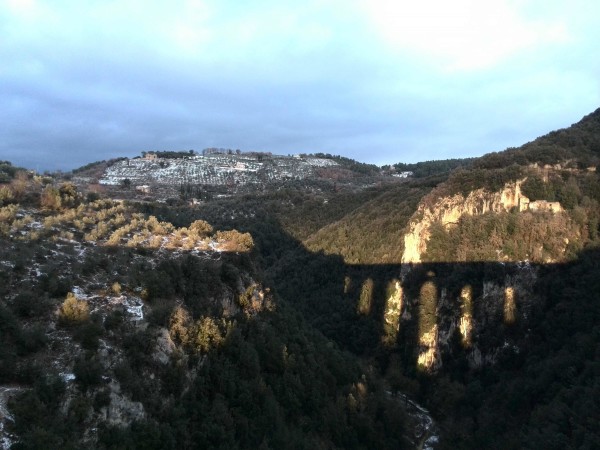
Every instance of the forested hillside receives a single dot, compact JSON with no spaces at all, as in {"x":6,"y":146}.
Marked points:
{"x":559,"y":167}
{"x":525,"y":335}
{"x":121,"y":330}
{"x":373,"y":232}
{"x":577,"y":146}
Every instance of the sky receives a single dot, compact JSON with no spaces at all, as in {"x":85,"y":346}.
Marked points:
{"x":378,"y":81}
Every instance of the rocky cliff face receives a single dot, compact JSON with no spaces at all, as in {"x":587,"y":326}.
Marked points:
{"x":479,"y":310}
{"x":448,"y":210}
{"x":476,"y":312}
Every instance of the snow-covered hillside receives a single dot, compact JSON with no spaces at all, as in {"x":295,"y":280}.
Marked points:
{"x":213,"y":170}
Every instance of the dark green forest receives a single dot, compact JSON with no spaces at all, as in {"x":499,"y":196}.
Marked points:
{"x":429,"y":168}
{"x":247,"y":374}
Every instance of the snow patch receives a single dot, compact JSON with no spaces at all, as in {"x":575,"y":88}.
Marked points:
{"x":79,"y":293}
{"x":6,"y":439}
{"x":67,"y":376}
{"x":134,"y":306}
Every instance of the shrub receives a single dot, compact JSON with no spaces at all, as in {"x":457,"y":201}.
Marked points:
{"x":73,"y":311}
{"x":68,"y":194}
{"x":8,"y":213}
{"x":201,"y":228}
{"x":31,"y":340}
{"x":6,"y":195}
{"x":179,"y":326}
{"x":88,"y":373}
{"x":160,"y":312}
{"x":534,"y":188}
{"x":116,"y":288}
{"x":88,"y":334}
{"x":114,"y":320}
{"x":8,"y":321}
{"x":50,"y":198}
{"x":55,"y":284}
{"x":92,"y":196}
{"x":19,"y":184}
{"x":235,"y":241}
{"x":207,"y":335}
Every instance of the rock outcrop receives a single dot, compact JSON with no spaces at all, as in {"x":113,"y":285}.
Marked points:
{"x":448,"y":210}
{"x":122,"y":411}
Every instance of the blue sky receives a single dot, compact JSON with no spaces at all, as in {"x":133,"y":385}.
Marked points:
{"x":378,"y":81}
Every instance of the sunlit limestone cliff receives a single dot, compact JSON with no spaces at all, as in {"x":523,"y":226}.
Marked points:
{"x":448,"y":210}
{"x":495,"y":298}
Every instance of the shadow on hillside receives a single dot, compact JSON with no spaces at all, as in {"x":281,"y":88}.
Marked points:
{"x":455,"y":314}
{"x":466,"y":313}
{"x":200,"y":374}
{"x":425,"y":312}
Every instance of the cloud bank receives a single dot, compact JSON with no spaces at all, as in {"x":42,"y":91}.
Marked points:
{"x":378,"y":81}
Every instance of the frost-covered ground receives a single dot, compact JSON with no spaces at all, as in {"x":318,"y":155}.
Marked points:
{"x":6,"y":439}
{"x":213,"y":170}
{"x":132,"y":306}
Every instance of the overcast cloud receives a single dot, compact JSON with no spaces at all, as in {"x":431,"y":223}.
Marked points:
{"x":378,"y":81}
